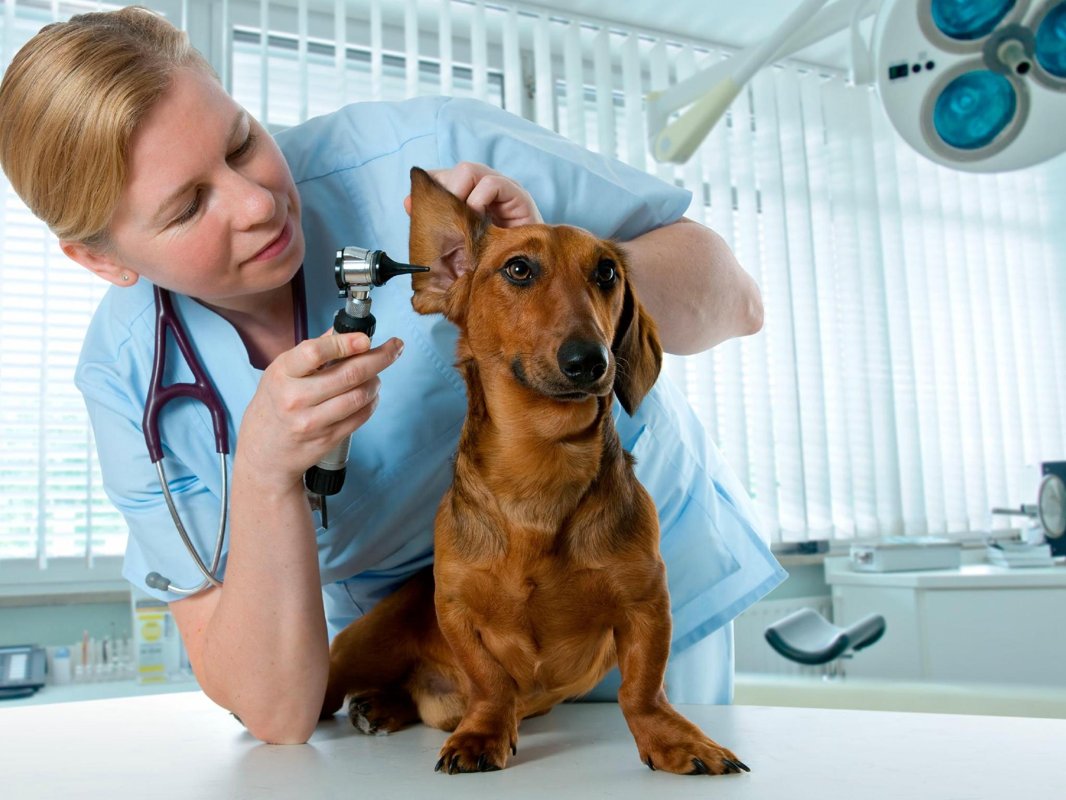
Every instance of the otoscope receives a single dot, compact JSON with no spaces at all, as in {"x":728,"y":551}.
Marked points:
{"x":356,"y":271}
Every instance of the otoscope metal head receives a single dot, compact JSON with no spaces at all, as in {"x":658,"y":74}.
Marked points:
{"x":357,"y":269}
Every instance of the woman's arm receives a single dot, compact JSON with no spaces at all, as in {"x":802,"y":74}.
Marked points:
{"x":259,"y":645}
{"x":692,"y":285}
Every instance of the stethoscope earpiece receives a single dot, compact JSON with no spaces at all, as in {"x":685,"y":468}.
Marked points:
{"x":157,"y":581}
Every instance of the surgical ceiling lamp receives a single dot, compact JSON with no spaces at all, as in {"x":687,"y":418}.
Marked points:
{"x":977,"y":85}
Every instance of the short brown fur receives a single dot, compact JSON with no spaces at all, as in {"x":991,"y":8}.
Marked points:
{"x":547,"y":570}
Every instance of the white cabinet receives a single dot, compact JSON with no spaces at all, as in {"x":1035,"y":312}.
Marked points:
{"x":977,"y":623}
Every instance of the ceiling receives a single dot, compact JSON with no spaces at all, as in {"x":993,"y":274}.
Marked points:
{"x":724,"y":22}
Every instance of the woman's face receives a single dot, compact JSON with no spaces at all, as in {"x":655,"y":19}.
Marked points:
{"x":209,"y":209}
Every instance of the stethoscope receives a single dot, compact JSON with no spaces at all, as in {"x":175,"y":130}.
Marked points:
{"x":201,"y":389}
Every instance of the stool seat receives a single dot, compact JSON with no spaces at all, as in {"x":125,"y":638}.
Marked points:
{"x":805,"y":636}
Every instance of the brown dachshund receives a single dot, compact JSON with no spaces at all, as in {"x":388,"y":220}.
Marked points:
{"x":547,"y":570}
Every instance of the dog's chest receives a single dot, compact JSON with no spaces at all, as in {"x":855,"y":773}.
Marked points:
{"x":551,"y":629}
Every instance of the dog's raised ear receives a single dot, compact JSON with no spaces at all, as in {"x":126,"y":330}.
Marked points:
{"x":637,"y":352}
{"x":444,"y":236}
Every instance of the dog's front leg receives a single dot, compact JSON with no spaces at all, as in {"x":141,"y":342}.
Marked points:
{"x":665,"y":739}
{"x":489,"y":728}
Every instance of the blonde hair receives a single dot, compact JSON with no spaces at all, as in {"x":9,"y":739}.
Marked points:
{"x":70,"y":101}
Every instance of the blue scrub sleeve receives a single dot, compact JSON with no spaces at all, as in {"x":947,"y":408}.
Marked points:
{"x":570,"y":185}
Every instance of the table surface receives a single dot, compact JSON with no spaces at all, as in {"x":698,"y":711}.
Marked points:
{"x":184,"y":746}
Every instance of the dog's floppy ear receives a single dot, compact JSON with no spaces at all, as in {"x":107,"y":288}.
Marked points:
{"x":637,"y":352}
{"x":444,"y":237}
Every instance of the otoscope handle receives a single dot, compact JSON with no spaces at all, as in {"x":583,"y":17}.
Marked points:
{"x":343,"y":322}
{"x":327,"y":476}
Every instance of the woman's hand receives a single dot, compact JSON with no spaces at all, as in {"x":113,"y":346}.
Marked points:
{"x":308,"y":400}
{"x":486,"y":191}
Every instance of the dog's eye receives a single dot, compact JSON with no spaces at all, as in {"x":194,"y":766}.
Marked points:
{"x":518,"y":271}
{"x":605,"y":273}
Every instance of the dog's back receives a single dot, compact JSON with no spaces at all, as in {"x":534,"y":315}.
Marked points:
{"x":546,"y":564}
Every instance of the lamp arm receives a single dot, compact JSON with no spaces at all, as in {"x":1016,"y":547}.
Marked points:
{"x":712,"y":90}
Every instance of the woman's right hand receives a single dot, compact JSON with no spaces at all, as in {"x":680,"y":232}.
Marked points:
{"x":308,"y":400}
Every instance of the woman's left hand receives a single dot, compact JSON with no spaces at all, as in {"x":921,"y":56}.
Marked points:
{"x":486,"y":191}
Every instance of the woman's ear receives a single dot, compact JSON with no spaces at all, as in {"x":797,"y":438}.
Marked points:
{"x":99,"y":262}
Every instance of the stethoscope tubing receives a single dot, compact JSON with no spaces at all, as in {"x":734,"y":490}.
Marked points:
{"x":201,"y":389}
{"x":210,"y":575}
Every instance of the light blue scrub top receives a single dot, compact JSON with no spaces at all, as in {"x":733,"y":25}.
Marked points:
{"x":352,"y":172}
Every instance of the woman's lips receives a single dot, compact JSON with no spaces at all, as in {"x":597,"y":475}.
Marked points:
{"x":277,"y":246}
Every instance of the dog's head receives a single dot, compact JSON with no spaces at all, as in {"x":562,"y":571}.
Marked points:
{"x":552,"y":305}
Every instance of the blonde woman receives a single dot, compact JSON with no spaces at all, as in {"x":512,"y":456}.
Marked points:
{"x":119,"y":136}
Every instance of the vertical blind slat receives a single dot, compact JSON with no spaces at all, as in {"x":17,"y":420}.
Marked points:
{"x":907,"y":445}
{"x":876,"y":353}
{"x":633,"y":93}
{"x":340,"y":48}
{"x":544,"y":87}
{"x":302,"y":65}
{"x":604,"y":93}
{"x":444,"y":38}
{"x":410,"y":39}
{"x":782,"y":254}
{"x":264,"y":61}
{"x":377,"y":56}
{"x":479,"y":51}
{"x":227,"y":49}
{"x":1053,"y":345}
{"x":753,"y":350}
{"x":575,"y":84}
{"x":512,"y":64}
{"x":1013,"y":271}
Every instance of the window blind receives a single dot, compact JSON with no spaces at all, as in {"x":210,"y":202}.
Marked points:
{"x":51,"y":501}
{"x":910,"y":372}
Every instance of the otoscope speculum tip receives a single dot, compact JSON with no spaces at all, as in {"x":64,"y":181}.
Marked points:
{"x":387,"y":269}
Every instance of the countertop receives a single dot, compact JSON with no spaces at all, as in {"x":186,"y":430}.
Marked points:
{"x":183,"y":746}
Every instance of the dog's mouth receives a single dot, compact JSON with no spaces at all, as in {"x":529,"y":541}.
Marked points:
{"x":557,"y":387}
{"x":570,"y":396}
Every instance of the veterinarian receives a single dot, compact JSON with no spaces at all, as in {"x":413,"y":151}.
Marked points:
{"x":120,"y":137}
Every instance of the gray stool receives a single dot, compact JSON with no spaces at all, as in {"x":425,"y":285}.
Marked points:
{"x":806,"y":637}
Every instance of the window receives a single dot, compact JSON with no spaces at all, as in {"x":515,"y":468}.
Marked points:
{"x":911,"y":369}
{"x":329,"y":88}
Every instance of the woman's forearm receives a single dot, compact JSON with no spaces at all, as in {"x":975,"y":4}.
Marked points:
{"x":264,"y":651}
{"x":690,"y":282}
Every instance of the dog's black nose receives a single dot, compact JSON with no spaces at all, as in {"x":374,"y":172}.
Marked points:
{"x":583,"y":362}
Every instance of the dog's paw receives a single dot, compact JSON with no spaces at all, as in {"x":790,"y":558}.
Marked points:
{"x":380,"y":713}
{"x":676,"y":745}
{"x":705,"y":757}
{"x":474,"y":752}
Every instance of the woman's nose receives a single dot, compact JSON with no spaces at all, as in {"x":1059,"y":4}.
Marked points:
{"x":254,"y":203}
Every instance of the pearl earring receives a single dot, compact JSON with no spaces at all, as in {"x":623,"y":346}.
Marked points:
{"x":125,"y":277}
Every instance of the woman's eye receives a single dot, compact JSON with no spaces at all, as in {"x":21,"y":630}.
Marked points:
{"x":244,"y":149}
{"x":606,"y":273}
{"x":518,"y":270}
{"x":190,"y":210}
